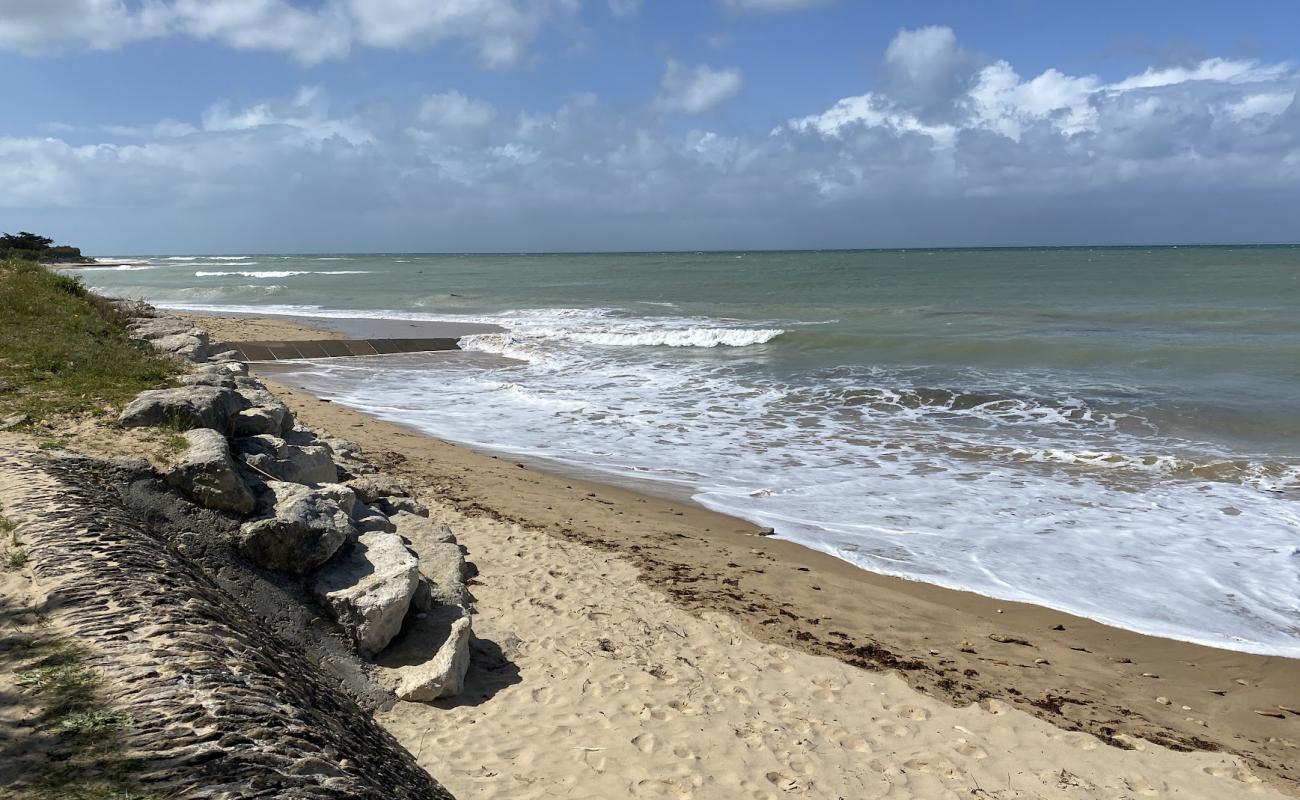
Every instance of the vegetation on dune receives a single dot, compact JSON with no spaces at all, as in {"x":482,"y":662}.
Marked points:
{"x":64,"y":350}
{"x":83,"y":759}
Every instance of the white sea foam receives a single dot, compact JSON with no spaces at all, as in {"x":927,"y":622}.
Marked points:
{"x":1037,"y":499}
{"x":690,"y":337}
{"x":287,"y":273}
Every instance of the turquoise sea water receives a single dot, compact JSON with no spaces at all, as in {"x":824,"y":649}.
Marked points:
{"x":1110,"y":431}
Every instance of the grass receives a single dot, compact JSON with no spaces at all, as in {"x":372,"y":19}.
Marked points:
{"x":85,"y":761}
{"x":64,"y":350}
{"x":15,"y":557}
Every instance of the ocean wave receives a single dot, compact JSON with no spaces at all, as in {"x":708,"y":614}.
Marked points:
{"x":690,"y":337}
{"x":288,"y":273}
{"x":240,"y":291}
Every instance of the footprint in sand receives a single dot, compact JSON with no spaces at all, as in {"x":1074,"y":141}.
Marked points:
{"x":684,"y":707}
{"x":971,"y":750}
{"x":542,"y":695}
{"x":913,"y":713}
{"x":1232,"y":771}
{"x":854,"y":744}
{"x":783,"y":782}
{"x":656,"y":714}
{"x":645,"y":742}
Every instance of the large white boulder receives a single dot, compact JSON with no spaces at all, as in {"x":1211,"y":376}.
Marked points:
{"x":367,"y":588}
{"x":444,"y":674}
{"x":296,"y":463}
{"x":207,"y":474}
{"x":185,"y":406}
{"x":303,"y":527}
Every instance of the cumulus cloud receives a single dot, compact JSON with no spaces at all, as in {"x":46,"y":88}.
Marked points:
{"x":988,"y":131}
{"x":1209,"y":150}
{"x":499,"y":30}
{"x":693,"y":90}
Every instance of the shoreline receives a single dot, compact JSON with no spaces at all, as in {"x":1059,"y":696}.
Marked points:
{"x":963,"y":648}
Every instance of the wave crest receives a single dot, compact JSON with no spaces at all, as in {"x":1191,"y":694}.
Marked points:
{"x":689,"y":337}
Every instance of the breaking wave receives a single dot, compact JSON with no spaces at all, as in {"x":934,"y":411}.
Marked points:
{"x":287,"y":273}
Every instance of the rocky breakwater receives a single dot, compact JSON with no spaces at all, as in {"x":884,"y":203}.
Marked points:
{"x":312,"y":509}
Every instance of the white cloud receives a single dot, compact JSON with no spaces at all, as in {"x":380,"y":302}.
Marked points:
{"x":305,"y":119}
{"x":1206,"y":150}
{"x":499,"y":30}
{"x":1220,"y":70}
{"x":624,"y":8}
{"x":454,"y":110}
{"x":774,"y":5}
{"x":693,"y":90}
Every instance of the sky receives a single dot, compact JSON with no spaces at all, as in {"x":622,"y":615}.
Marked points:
{"x":237,"y":126}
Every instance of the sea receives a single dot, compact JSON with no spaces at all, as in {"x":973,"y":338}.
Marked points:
{"x":1113,"y":432}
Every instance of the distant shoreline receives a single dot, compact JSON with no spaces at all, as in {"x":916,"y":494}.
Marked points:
{"x":137,"y":259}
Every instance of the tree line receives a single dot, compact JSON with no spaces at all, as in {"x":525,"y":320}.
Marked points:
{"x":34,"y":247}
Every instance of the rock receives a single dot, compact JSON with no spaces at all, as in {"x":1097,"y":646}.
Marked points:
{"x":190,"y":346}
{"x":367,"y":518}
{"x":372,"y":487}
{"x":257,"y":421}
{"x":423,"y":599}
{"x":444,"y":674}
{"x":133,"y":309}
{"x":208,"y":476}
{"x":367,"y":588}
{"x":305,"y":527}
{"x":186,"y":406}
{"x":343,"y":448}
{"x":14,"y":421}
{"x":396,"y":505}
{"x":264,"y":412}
{"x":280,"y":460}
{"x":160,"y":327}
{"x":231,"y":369}
{"x":444,"y":564}
{"x":225,"y":357}
{"x":207,"y":379}
{"x":420,"y":532}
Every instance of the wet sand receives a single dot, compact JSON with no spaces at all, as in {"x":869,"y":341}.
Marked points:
{"x":1124,"y":689}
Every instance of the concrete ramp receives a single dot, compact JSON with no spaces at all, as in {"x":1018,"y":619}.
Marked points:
{"x":335,"y":348}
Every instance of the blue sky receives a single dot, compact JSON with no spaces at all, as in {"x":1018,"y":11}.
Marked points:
{"x":255,"y":125}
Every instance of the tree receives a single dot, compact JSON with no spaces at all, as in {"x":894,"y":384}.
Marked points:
{"x":25,"y":240}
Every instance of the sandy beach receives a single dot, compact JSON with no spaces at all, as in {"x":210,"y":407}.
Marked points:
{"x":670,"y":651}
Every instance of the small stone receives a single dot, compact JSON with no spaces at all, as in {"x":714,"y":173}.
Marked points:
{"x":1150,"y":675}
{"x":1164,"y":701}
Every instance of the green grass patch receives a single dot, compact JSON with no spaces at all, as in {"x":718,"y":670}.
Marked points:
{"x":64,"y":350}
{"x":85,"y":760}
{"x":15,"y":559}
